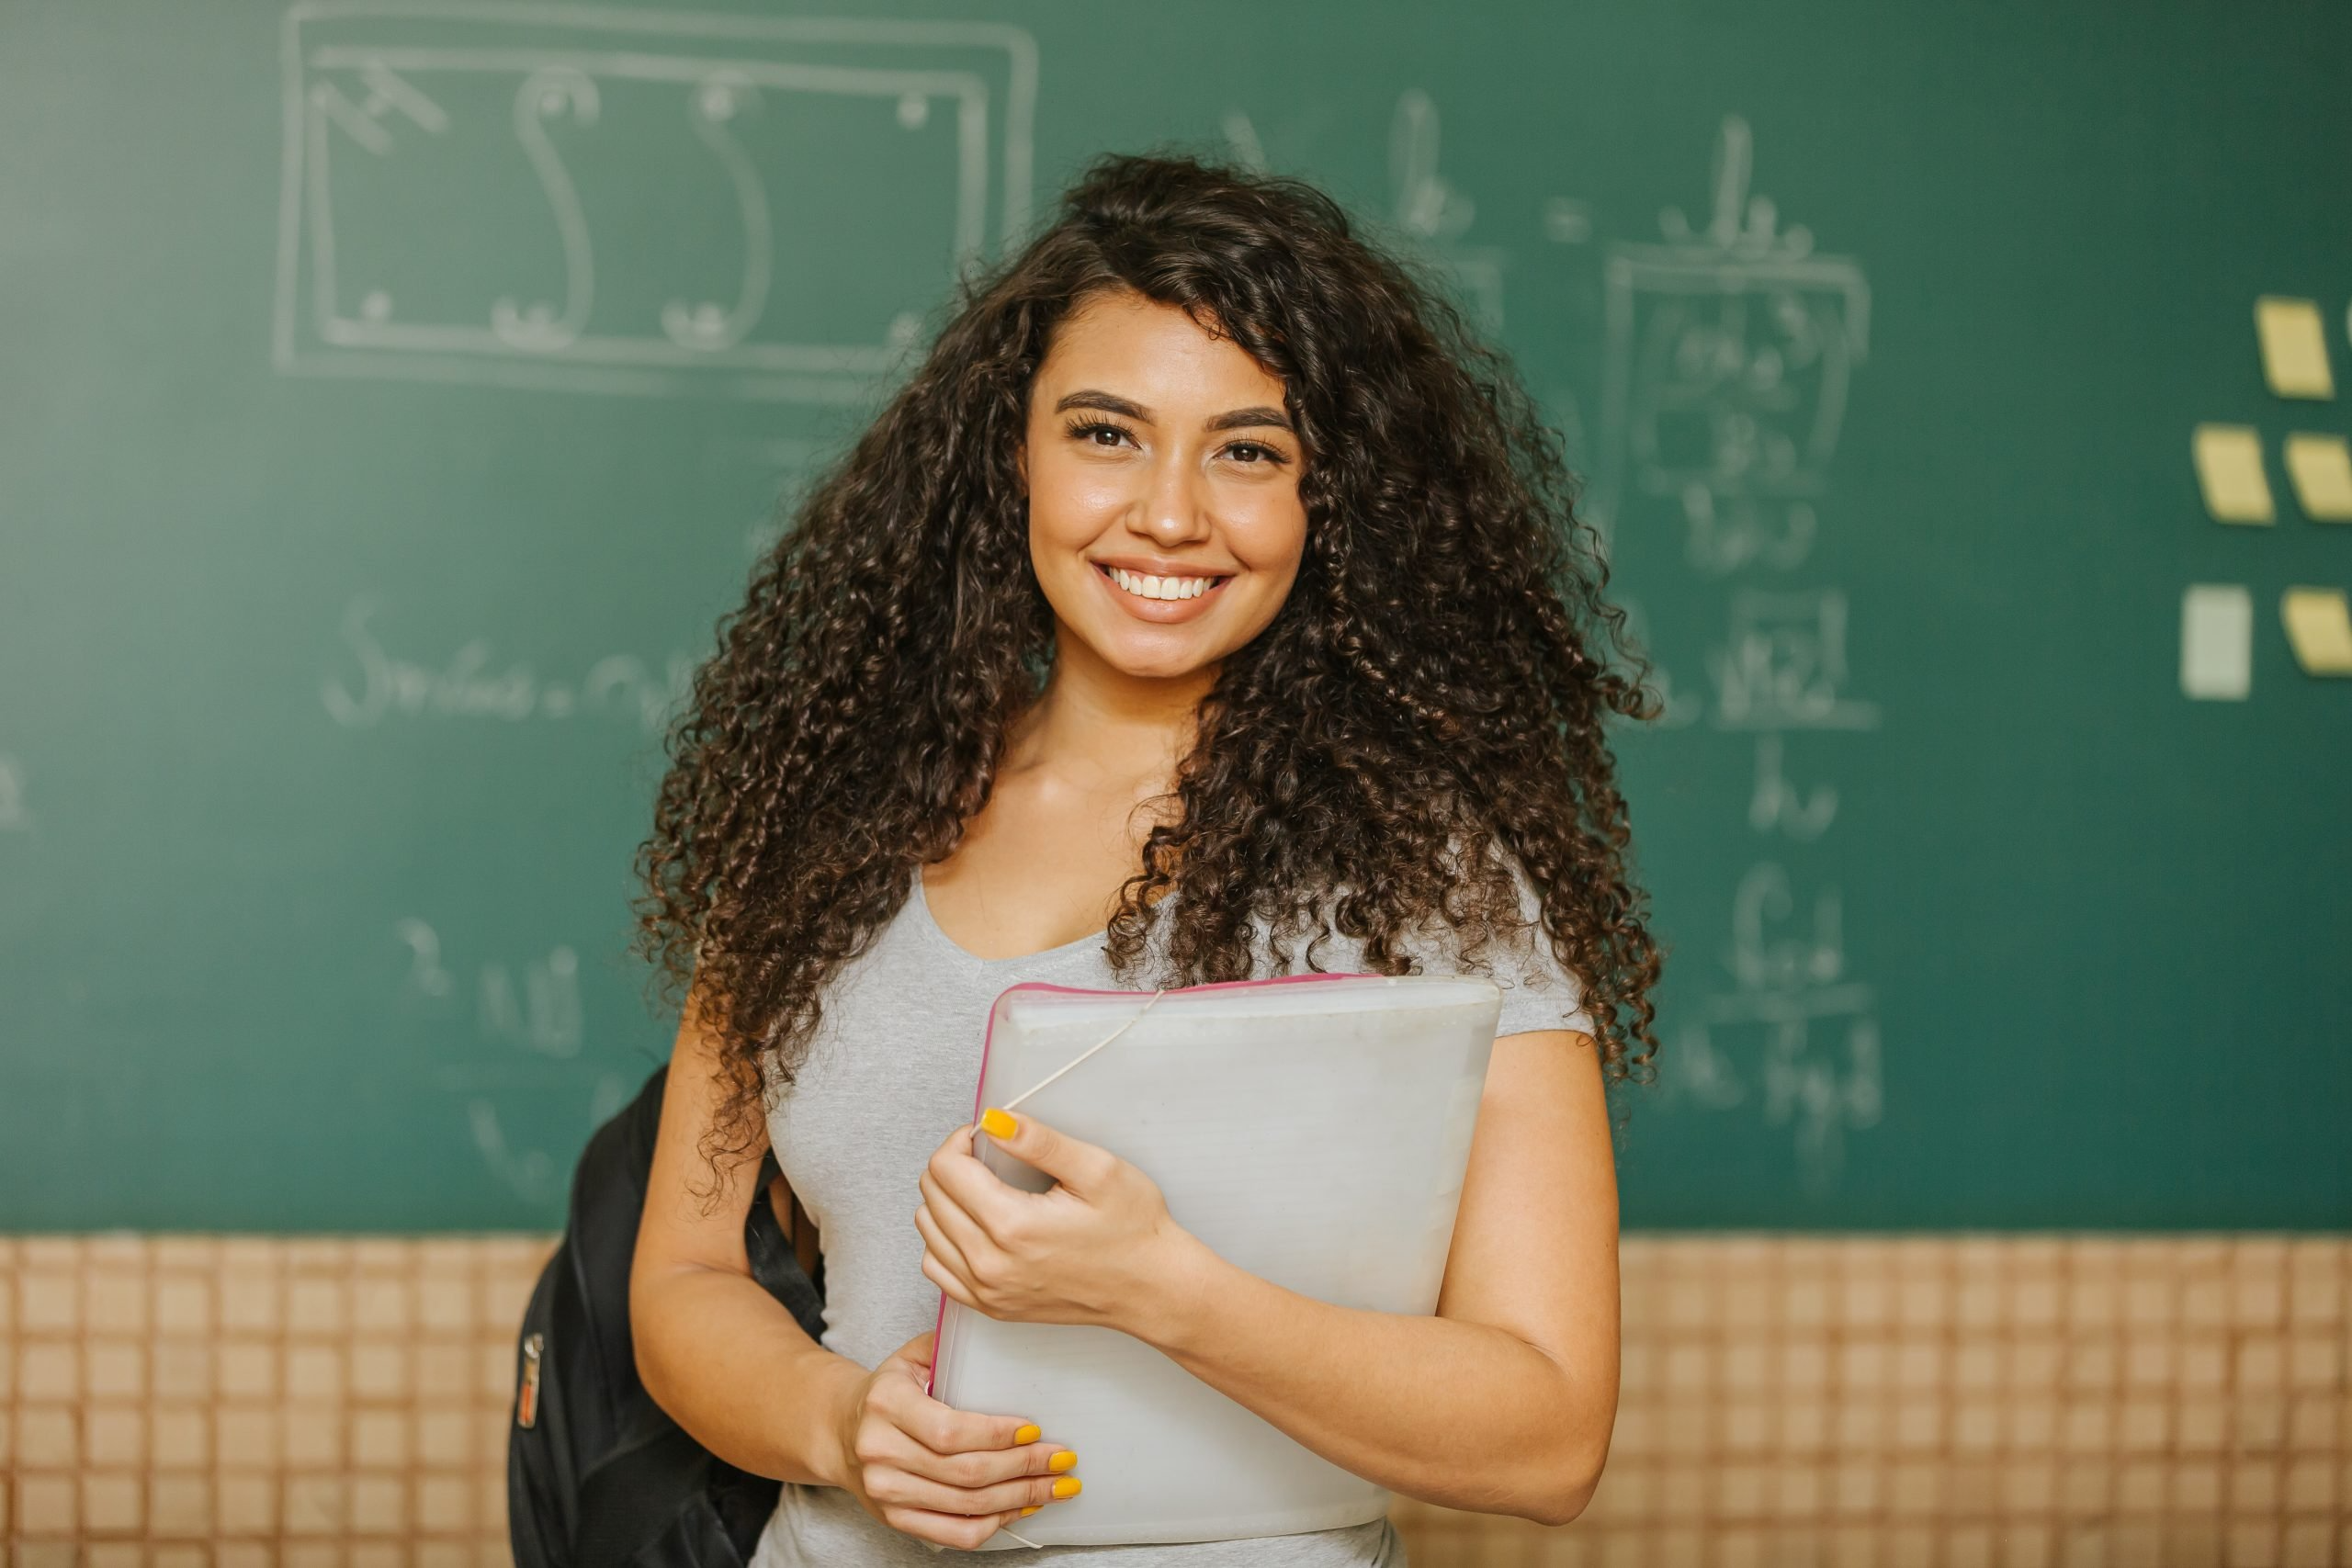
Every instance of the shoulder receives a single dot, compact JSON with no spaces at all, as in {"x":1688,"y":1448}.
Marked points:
{"x":1539,"y":991}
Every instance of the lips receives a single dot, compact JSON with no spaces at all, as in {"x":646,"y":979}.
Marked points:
{"x":1163,"y":612}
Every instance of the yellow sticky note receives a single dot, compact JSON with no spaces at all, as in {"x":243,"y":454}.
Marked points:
{"x":2321,"y":467}
{"x":2229,"y":470}
{"x":2294,"y":347}
{"x":2319,"y":626}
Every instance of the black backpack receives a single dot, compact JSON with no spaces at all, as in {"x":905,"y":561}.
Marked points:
{"x":598,"y":1475}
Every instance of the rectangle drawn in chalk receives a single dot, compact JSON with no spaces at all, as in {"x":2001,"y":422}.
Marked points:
{"x":637,"y":201}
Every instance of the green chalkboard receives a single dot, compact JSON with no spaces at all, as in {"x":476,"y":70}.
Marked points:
{"x":393,"y":395}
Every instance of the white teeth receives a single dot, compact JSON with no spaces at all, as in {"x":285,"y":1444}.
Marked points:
{"x":1145,"y":587}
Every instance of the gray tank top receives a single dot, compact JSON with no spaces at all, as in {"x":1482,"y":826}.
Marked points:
{"x":891,"y":1069}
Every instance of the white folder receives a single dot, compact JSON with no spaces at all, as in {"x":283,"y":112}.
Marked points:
{"x":1312,"y":1128}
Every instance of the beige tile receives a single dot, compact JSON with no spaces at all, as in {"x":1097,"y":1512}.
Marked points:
{"x":2035,"y":1302}
{"x":317,"y":1305}
{"x":2139,"y":1487}
{"x":315,"y":1373}
{"x":113,"y":1504}
{"x":445,"y":1438}
{"x":383,"y":1306}
{"x":181,"y":1369}
{"x":48,"y":1504}
{"x":445,"y":1502}
{"x":48,"y":1302}
{"x":47,"y":1436}
{"x":1977,"y":1428}
{"x":378,"y":1504}
{"x":2252,"y":1543}
{"x":114,"y":1437}
{"x":251,"y":1304}
{"x":182,"y":1304}
{"x":382,"y":1439}
{"x":2151,"y":1363}
{"x":246,"y":1369}
{"x":314,"y":1437}
{"x":180,"y":1506}
{"x":248,"y":1437}
{"x":2253,"y":1487}
{"x":445,"y":1304}
{"x":49,"y":1371}
{"x":2203,"y":1426}
{"x":114,"y":1369}
{"x":2144,"y":1426}
{"x":316,"y":1505}
{"x":113,"y":1302}
{"x":245,"y":1502}
{"x":182,"y":1437}
{"x":2085,"y":1487}
{"x":2311,"y":1485}
{"x":444,"y":1374}
{"x":2315,"y":1362}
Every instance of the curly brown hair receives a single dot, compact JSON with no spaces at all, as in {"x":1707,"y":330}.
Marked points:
{"x":1434,"y":688}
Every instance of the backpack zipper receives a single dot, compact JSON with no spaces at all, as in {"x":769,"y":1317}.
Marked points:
{"x":526,"y":1406}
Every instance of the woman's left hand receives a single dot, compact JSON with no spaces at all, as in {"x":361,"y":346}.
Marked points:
{"x":1097,"y":1248}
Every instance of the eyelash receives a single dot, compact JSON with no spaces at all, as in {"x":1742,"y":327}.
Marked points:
{"x":1085,"y":427}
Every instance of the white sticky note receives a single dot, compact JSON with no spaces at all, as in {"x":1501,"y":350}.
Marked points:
{"x":2294,"y":347}
{"x":2319,"y":626}
{"x":2320,"y":466}
{"x":2217,"y":642}
{"x":2229,"y":470}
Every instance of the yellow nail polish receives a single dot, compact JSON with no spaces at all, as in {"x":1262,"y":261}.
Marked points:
{"x":998,"y":1123}
{"x":1067,"y":1486}
{"x":1030,"y":1509}
{"x":1066,"y":1459}
{"x":1028,"y":1433}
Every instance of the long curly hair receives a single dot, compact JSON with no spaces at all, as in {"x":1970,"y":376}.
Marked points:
{"x":1432,"y":690}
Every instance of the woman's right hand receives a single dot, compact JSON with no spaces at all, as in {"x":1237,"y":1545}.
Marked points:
{"x":949,"y":1476}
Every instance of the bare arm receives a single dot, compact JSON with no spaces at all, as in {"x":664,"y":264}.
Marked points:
{"x":1504,"y":1400}
{"x":726,"y":1360}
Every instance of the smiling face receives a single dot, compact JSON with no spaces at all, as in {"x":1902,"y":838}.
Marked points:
{"x":1164,"y":516}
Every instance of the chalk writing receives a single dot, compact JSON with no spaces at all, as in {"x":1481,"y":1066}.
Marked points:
{"x":473,"y":684}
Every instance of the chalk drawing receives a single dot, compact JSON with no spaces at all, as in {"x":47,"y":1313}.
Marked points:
{"x":1775,"y":804}
{"x":543,"y":1016}
{"x":1783,"y":665}
{"x":472,"y":685}
{"x":1429,"y":211}
{"x":535,"y":1174}
{"x":1726,"y":359}
{"x":1793,"y":1037}
{"x":16,"y":816}
{"x":394,"y":113}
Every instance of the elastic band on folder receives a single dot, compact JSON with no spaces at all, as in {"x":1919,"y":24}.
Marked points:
{"x":1074,"y":1061}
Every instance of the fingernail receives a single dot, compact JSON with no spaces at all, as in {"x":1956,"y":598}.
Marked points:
{"x":1066,"y":1459}
{"x":1028,"y":1433}
{"x":998,"y":1123}
{"x":1030,"y":1509}
{"x":1067,"y":1486}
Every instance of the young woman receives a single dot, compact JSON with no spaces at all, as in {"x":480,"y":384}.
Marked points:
{"x":1208,"y":605}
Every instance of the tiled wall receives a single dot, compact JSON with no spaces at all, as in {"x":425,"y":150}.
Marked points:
{"x":1949,"y":1401}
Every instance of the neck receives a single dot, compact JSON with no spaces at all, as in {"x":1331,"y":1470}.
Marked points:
{"x":1101,"y":729}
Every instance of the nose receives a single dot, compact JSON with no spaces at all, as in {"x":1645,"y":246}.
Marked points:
{"x":1174,"y":507}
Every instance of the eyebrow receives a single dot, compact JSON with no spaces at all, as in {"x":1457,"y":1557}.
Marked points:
{"x":1237,"y":419}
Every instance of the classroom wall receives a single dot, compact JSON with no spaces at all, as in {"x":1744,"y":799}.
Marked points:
{"x":1969,"y":1401}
